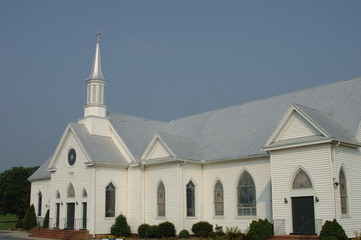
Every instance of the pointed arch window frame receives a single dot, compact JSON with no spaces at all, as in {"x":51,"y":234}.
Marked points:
{"x":40,"y":203}
{"x":71,"y":191}
{"x":343,"y":192}
{"x":110,"y":199}
{"x":161,"y":200}
{"x":246,"y":195}
{"x":302,"y":180}
{"x":191,"y":199}
{"x":218,"y":199}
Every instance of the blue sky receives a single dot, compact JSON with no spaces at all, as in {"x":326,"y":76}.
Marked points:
{"x":163,"y":59}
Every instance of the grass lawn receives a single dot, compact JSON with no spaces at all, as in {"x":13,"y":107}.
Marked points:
{"x":8,"y":221}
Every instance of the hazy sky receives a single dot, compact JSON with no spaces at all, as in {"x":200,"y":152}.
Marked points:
{"x":162,"y":59}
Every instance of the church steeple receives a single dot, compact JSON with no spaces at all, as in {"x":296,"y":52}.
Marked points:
{"x":96,"y":73}
{"x":96,"y":87}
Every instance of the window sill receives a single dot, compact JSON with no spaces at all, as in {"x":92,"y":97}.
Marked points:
{"x":345,"y":216}
{"x":246,"y":217}
{"x":161,"y":218}
{"x":218,"y":217}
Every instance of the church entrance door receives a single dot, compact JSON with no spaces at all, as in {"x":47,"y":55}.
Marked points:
{"x":303,"y":215}
{"x":57,"y":215}
{"x":70,"y":216}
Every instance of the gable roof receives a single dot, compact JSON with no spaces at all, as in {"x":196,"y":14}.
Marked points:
{"x":41,"y":173}
{"x":235,"y":132}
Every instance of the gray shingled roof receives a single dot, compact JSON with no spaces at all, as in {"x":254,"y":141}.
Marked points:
{"x":241,"y":131}
{"x":234,"y":132}
{"x":41,"y":173}
{"x":99,"y":149}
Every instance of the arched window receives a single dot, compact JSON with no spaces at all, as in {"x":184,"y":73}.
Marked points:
{"x":85,"y":194}
{"x":57,"y":195}
{"x":110,"y":200}
{"x":302,"y":180}
{"x":246,"y":192}
{"x":71,"y":191}
{"x":40,"y":203}
{"x":218,"y":199}
{"x":343,"y":191}
{"x":161,"y":199}
{"x":191,"y":212}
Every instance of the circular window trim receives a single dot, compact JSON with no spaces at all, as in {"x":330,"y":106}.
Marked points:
{"x":71,"y":157}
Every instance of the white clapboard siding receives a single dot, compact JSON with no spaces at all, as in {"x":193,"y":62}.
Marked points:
{"x":350,"y":159}
{"x":316,"y":161}
{"x":229,"y":173}
{"x":78,"y":175}
{"x":168,"y":174}
{"x":159,"y":151}
{"x":297,"y":127}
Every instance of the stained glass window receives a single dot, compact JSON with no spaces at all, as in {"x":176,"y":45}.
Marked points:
{"x":191,"y":200}
{"x":218,"y":199}
{"x":246,"y":192}
{"x":161,"y":200}
{"x":110,"y":200}
{"x":343,"y":191}
{"x":302,"y":180}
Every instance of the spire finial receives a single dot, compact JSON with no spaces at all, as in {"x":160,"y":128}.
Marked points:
{"x":96,"y":73}
{"x":98,"y":35}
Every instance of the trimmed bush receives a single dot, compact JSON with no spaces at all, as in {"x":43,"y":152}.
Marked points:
{"x":143,"y":230}
{"x":202,"y":229}
{"x":46,"y":220}
{"x":30,"y":218}
{"x":120,"y":228}
{"x":260,"y":230}
{"x":153,"y":231}
{"x":331,"y":230}
{"x":166,"y":229}
{"x":183,"y":234}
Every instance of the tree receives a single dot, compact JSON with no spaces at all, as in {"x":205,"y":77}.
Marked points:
{"x":120,"y":228}
{"x":15,"y":190}
{"x":30,"y":218}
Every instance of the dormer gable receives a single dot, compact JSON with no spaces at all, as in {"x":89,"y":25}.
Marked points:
{"x":304,"y":126}
{"x":157,"y":149}
{"x":297,"y":127}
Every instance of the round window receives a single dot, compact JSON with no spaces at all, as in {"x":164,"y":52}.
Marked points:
{"x":71,"y":157}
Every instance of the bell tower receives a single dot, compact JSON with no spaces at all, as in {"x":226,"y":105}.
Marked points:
{"x":95,"y":111}
{"x":96,"y":87}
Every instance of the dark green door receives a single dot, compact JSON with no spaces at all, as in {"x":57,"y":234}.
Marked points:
{"x":303,"y":215}
{"x":70,"y":215}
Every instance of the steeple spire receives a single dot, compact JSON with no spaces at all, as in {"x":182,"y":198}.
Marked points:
{"x":96,"y":73}
{"x":96,"y":87}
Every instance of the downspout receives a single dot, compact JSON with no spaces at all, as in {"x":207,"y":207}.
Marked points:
{"x":182,"y":195}
{"x":333,"y":162}
{"x":202,"y":202}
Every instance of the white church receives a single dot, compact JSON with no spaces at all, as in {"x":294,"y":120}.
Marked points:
{"x":294,"y":159}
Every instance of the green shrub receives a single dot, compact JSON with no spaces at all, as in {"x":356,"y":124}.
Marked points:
{"x":143,"y":230}
{"x":202,"y":229}
{"x":260,"y":230}
{"x":30,"y":218}
{"x":166,"y":229}
{"x":46,"y":220}
{"x":183,"y":234}
{"x":233,"y":233}
{"x":153,"y":231}
{"x":331,"y":230}
{"x":120,"y":228}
